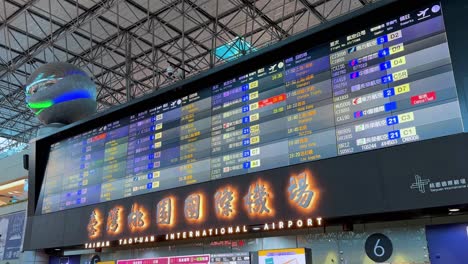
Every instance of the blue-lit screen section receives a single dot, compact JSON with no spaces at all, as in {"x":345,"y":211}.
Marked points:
{"x":381,"y":86}
{"x":396,"y":88}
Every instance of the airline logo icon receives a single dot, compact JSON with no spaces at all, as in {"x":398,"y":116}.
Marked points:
{"x":357,"y":100}
{"x":354,"y":62}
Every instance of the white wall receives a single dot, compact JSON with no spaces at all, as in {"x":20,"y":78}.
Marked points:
{"x":11,"y":168}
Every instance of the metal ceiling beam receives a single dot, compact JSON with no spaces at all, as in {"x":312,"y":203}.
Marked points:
{"x":162,"y":21}
{"x":20,"y":89}
{"x":75,"y":56}
{"x":211,"y":18}
{"x":188,"y":32}
{"x":37,"y":14}
{"x":250,"y":4}
{"x":316,"y":4}
{"x":41,"y":41}
{"x":119,"y":34}
{"x":121,"y":31}
{"x":4,"y":27}
{"x":313,"y":10}
{"x":17,"y":13}
{"x":26,"y":115}
{"x":298,"y":12}
{"x":13,"y":110}
{"x":12,"y":124}
{"x":24,"y":137}
{"x":71,"y":26}
{"x":21,"y":53}
{"x":75,"y":32}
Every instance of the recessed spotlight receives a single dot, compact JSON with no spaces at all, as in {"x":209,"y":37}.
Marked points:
{"x":453,"y":210}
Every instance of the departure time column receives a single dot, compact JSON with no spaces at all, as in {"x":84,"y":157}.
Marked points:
{"x":310,"y":120}
{"x":195,"y":138}
{"x":115,"y":160}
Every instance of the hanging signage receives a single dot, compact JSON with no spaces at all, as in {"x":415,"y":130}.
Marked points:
{"x":379,"y":247}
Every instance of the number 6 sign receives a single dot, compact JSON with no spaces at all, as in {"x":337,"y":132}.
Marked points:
{"x":378,"y":247}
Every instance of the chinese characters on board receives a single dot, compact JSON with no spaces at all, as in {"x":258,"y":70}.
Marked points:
{"x":257,"y":201}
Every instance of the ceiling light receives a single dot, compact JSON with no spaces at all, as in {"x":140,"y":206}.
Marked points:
{"x":11,"y":184}
{"x":454,"y":210}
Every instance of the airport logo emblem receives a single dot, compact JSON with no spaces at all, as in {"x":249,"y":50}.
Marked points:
{"x":420,"y":183}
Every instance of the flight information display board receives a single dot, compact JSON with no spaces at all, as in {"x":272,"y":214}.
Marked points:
{"x":380,"y":86}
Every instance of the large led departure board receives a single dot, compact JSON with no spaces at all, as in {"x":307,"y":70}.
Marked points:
{"x":381,"y":86}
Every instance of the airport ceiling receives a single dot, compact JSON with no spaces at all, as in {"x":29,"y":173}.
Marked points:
{"x":128,"y":45}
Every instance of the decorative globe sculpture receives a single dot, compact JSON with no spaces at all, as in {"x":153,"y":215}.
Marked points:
{"x":61,"y":93}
